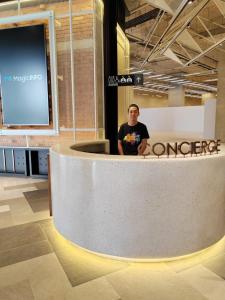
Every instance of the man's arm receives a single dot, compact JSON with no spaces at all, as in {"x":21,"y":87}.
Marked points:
{"x":142,"y":146}
{"x":120,"y":148}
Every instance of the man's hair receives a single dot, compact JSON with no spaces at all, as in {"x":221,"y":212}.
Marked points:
{"x":133,"y":105}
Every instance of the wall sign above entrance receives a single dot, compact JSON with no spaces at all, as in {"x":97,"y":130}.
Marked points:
{"x":126,"y":80}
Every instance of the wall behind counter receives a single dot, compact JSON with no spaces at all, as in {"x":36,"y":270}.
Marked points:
{"x":183,"y":122}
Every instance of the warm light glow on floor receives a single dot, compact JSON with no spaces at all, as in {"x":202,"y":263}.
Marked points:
{"x":85,"y":255}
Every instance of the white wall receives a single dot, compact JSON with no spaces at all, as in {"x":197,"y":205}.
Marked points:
{"x":185,"y":121}
{"x":210,"y":119}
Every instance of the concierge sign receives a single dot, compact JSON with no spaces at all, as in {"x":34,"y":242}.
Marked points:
{"x":23,"y":76}
{"x":185,"y":148}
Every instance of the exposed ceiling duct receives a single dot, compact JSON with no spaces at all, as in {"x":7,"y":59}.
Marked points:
{"x":152,"y":14}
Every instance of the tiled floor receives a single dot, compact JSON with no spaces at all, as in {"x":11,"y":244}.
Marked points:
{"x":37,"y":263}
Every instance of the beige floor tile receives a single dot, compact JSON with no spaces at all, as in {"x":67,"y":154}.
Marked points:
{"x":205,"y":281}
{"x":19,"y":186}
{"x":19,"y":291}
{"x":20,"y":210}
{"x":22,"y":253}
{"x":47,"y":278}
{"x":39,"y":205}
{"x":151,"y":282}
{"x":98,"y":289}
{"x":18,"y":204}
{"x":6,"y":220}
{"x":42,"y":215}
{"x":14,"y":181}
{"x":48,"y":223}
{"x":79,"y":265}
{"x":38,"y":200}
{"x":12,"y":274}
{"x":216,"y":264}
{"x":189,"y":262}
{"x":29,"y":218}
{"x":6,"y":195}
{"x":45,"y":275}
{"x":4,"y":208}
{"x":24,"y":219}
{"x":20,"y":235}
{"x":184,"y":264}
{"x":36,"y":194}
{"x":80,"y":271}
{"x":42,"y":185}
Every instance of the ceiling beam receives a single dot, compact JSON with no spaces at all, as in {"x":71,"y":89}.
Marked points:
{"x":142,"y":43}
{"x":179,"y":10}
{"x":152,"y":14}
{"x":138,"y":41}
{"x":205,"y":52}
{"x":196,"y":11}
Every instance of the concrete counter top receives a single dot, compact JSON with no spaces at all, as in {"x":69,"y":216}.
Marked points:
{"x":134,"y":207}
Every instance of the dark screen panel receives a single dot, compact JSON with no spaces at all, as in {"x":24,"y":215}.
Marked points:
{"x":23,"y":75}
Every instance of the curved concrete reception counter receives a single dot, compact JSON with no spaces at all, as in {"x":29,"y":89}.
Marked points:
{"x":137,"y":208}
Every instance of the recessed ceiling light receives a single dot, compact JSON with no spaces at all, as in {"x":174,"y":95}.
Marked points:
{"x":156,"y":76}
{"x":165,"y":77}
{"x":135,"y":72}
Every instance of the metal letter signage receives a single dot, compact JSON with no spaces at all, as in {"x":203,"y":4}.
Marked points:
{"x":185,"y":148}
{"x":126,"y":80}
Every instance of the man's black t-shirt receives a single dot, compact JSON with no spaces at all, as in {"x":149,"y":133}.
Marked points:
{"x":131,"y":137}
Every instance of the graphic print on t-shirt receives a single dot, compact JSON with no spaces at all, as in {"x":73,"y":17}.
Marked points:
{"x":132,"y":138}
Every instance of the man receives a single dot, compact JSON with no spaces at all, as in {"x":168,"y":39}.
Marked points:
{"x":133,"y":135}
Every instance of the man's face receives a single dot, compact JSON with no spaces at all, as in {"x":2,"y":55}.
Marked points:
{"x":133,"y":114}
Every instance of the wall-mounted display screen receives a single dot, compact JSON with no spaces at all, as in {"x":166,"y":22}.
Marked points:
{"x":23,"y":76}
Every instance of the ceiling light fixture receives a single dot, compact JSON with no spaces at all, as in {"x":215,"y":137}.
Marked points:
{"x":159,"y":85}
{"x":171,"y":79}
{"x":179,"y":81}
{"x":203,"y":86}
{"x":210,"y":80}
{"x":135,"y":72}
{"x":156,"y":76}
{"x":190,"y":91}
{"x":204,"y":73}
{"x":147,"y":73}
{"x":151,"y":89}
{"x":165,"y":77}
